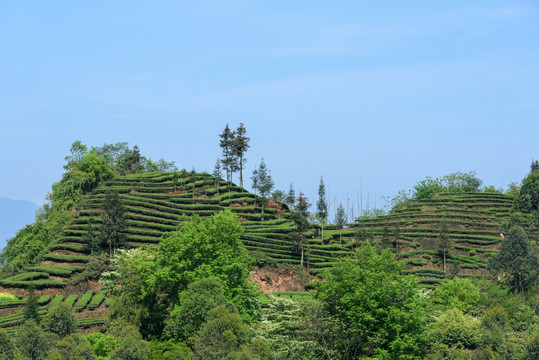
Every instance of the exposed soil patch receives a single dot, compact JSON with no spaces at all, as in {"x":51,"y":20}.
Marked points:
{"x":271,"y":280}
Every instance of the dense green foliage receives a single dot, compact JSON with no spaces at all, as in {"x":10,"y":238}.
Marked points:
{"x":181,"y":288}
{"x":60,"y":320}
{"x":517,"y":263}
{"x":379,"y":312}
{"x":148,"y":282}
{"x":114,"y":223}
{"x":452,"y":183}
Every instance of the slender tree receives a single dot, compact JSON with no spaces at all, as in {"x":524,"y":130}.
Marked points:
{"x":240,"y":144}
{"x":254,"y":178}
{"x":322,"y":206}
{"x":386,"y":241}
{"x":175,"y":179}
{"x":291,"y":198}
{"x":229,"y":160}
{"x":340,"y":220}
{"x":217,"y":174}
{"x":264,"y":182}
{"x":113,"y":226}
{"x":30,"y":311}
{"x":300,"y":217}
{"x":534,"y":166}
{"x":445,"y":242}
{"x":397,"y":235}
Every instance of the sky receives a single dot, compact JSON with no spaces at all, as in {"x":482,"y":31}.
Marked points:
{"x":372,"y":95}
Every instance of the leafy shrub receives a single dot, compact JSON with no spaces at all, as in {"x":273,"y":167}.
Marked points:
{"x":44,"y":299}
{"x":70,"y":300}
{"x":97,"y":299}
{"x":84,"y":300}
{"x":57,"y":299}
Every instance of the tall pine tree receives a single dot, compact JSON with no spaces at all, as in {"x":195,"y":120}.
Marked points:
{"x":229,"y":161}
{"x":240,"y":144}
{"x":322,"y":206}
{"x":263,"y":182}
{"x":300,"y":217}
{"x":445,"y":242}
{"x":340,"y":220}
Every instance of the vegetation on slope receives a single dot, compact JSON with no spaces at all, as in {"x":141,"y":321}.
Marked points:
{"x":181,"y":289}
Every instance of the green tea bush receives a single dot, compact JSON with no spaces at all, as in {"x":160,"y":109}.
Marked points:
{"x":97,"y":300}
{"x":57,"y":299}
{"x":84,"y":300}
{"x":71,"y":299}
{"x":44,"y":299}
{"x":67,"y":258}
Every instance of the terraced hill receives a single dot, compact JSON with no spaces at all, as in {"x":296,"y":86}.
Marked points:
{"x":473,"y":222}
{"x":159,"y":202}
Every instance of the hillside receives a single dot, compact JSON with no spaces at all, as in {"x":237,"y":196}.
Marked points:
{"x":473,"y":223}
{"x":158,"y":202}
{"x":155,"y":203}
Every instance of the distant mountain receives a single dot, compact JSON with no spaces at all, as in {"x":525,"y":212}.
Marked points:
{"x":15,"y":215}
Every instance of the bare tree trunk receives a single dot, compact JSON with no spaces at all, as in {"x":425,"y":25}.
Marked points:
{"x":241,"y":172}
{"x":301,"y":261}
{"x":444,"y":261}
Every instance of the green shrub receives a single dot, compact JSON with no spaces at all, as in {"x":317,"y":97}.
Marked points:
{"x":67,"y":258}
{"x":97,"y":299}
{"x":71,"y":299}
{"x":44,"y":299}
{"x":57,"y":299}
{"x":84,"y":300}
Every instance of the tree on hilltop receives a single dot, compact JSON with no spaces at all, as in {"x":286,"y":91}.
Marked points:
{"x":340,"y":220}
{"x":217,"y":174}
{"x":263,"y":182}
{"x":534,"y":166}
{"x":322,"y":206}
{"x":291,"y":199}
{"x":445,"y":241}
{"x":229,"y":161}
{"x":240,"y":144}
{"x":300,"y":217}
{"x":528,"y":199}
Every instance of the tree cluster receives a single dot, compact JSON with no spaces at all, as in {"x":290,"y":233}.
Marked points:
{"x":262,"y":182}
{"x":451,"y":183}
{"x":234,"y":145}
{"x":190,"y":289}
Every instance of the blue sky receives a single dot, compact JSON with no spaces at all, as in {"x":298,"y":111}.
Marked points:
{"x":381,"y":94}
